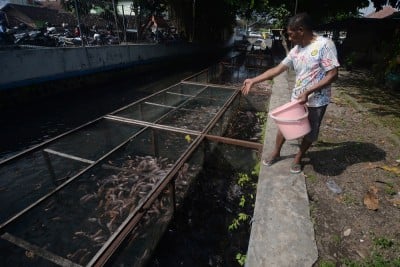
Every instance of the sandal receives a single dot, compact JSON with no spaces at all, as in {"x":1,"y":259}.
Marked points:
{"x":269,"y":162}
{"x":295,"y":168}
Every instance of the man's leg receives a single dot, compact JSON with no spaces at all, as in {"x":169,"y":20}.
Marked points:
{"x":304,"y":146}
{"x":276,"y":153}
{"x":315,"y":116}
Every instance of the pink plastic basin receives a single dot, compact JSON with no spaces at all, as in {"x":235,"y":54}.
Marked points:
{"x":292,"y":120}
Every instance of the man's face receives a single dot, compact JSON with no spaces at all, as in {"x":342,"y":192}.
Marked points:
{"x":295,"y":35}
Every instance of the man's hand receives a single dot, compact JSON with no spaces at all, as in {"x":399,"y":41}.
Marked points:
{"x":247,"y":84}
{"x":303,"y":98}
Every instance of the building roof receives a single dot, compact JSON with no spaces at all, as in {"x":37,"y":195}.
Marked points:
{"x":365,"y":23}
{"x":30,"y":15}
{"x":386,"y":11}
{"x":51,"y":4}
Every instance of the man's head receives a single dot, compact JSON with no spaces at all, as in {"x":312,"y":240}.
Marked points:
{"x":299,"y":28}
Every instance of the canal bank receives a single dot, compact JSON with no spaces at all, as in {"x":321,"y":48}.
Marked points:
{"x":30,"y":73}
{"x":282,"y":233}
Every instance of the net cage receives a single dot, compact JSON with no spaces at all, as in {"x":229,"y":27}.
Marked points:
{"x":234,"y":70}
{"x":109,"y":188}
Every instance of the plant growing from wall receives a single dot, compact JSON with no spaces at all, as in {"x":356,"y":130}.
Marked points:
{"x":246,"y":202}
{"x":262,"y":119}
{"x":241,"y":259}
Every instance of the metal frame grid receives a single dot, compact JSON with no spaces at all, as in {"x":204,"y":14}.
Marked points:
{"x":177,"y":109}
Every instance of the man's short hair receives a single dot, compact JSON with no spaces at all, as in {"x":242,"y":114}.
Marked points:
{"x":302,"y":20}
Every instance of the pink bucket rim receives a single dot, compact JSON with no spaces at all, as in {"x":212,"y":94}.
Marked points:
{"x":285,"y":107}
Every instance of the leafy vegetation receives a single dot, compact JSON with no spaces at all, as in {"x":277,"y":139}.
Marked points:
{"x":241,"y":259}
{"x":245,"y":206}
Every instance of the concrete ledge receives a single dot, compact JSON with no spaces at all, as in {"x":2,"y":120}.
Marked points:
{"x":282,"y":233}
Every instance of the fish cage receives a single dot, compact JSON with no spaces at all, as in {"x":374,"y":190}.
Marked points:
{"x":103,"y":193}
{"x":259,"y":59}
{"x":233,"y":71}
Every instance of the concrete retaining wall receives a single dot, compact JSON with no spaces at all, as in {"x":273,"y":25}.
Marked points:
{"x":22,"y":67}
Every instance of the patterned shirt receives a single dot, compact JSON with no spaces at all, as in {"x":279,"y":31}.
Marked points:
{"x":311,"y":64}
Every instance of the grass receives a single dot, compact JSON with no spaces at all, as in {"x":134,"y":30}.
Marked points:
{"x":390,"y":190}
{"x":383,"y":242}
{"x":378,"y":258}
{"x":327,"y":263}
{"x":349,"y":199}
{"x":311,"y":177}
{"x":336,"y":240}
{"x":382,"y":109}
{"x":383,"y":106}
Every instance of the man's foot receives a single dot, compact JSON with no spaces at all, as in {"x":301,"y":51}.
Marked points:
{"x":295,"y":168}
{"x":269,"y":162}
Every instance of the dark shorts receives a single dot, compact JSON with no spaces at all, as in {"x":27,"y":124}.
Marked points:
{"x":315,"y":116}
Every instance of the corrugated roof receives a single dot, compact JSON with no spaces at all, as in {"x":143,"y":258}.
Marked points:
{"x":31,"y":14}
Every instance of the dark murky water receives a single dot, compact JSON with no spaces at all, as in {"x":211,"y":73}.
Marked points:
{"x":212,"y":226}
{"x":27,"y":125}
{"x":207,"y":229}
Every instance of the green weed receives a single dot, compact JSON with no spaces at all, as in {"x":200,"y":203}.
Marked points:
{"x":243,"y":179}
{"x":242,"y":217}
{"x":389,"y":189}
{"x":326,"y":263}
{"x":349,"y":199}
{"x":262,"y":117}
{"x":242,"y":201}
{"x":336,"y":239}
{"x":256,"y":169}
{"x":376,"y":260}
{"x":383,"y":242}
{"x":241,"y":259}
{"x":312,"y":178}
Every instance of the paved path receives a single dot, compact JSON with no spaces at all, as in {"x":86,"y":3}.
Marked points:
{"x":282,"y":233}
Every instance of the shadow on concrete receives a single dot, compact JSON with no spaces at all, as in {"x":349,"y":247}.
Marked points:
{"x":332,"y":159}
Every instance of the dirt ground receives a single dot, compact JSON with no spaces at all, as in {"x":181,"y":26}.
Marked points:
{"x":359,"y":151}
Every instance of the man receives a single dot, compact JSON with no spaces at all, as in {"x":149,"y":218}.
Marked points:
{"x":315,"y":62}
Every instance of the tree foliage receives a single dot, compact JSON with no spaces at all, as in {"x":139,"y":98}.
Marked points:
{"x":320,"y":10}
{"x":203,"y":20}
{"x":84,"y":6}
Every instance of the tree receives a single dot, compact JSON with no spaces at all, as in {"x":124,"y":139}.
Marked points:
{"x":84,"y":6}
{"x":203,"y":20}
{"x":322,"y":11}
{"x":207,"y":19}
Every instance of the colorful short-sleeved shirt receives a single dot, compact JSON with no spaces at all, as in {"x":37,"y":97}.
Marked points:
{"x":311,"y":64}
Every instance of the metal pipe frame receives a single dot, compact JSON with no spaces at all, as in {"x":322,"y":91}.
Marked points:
{"x":113,"y":243}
